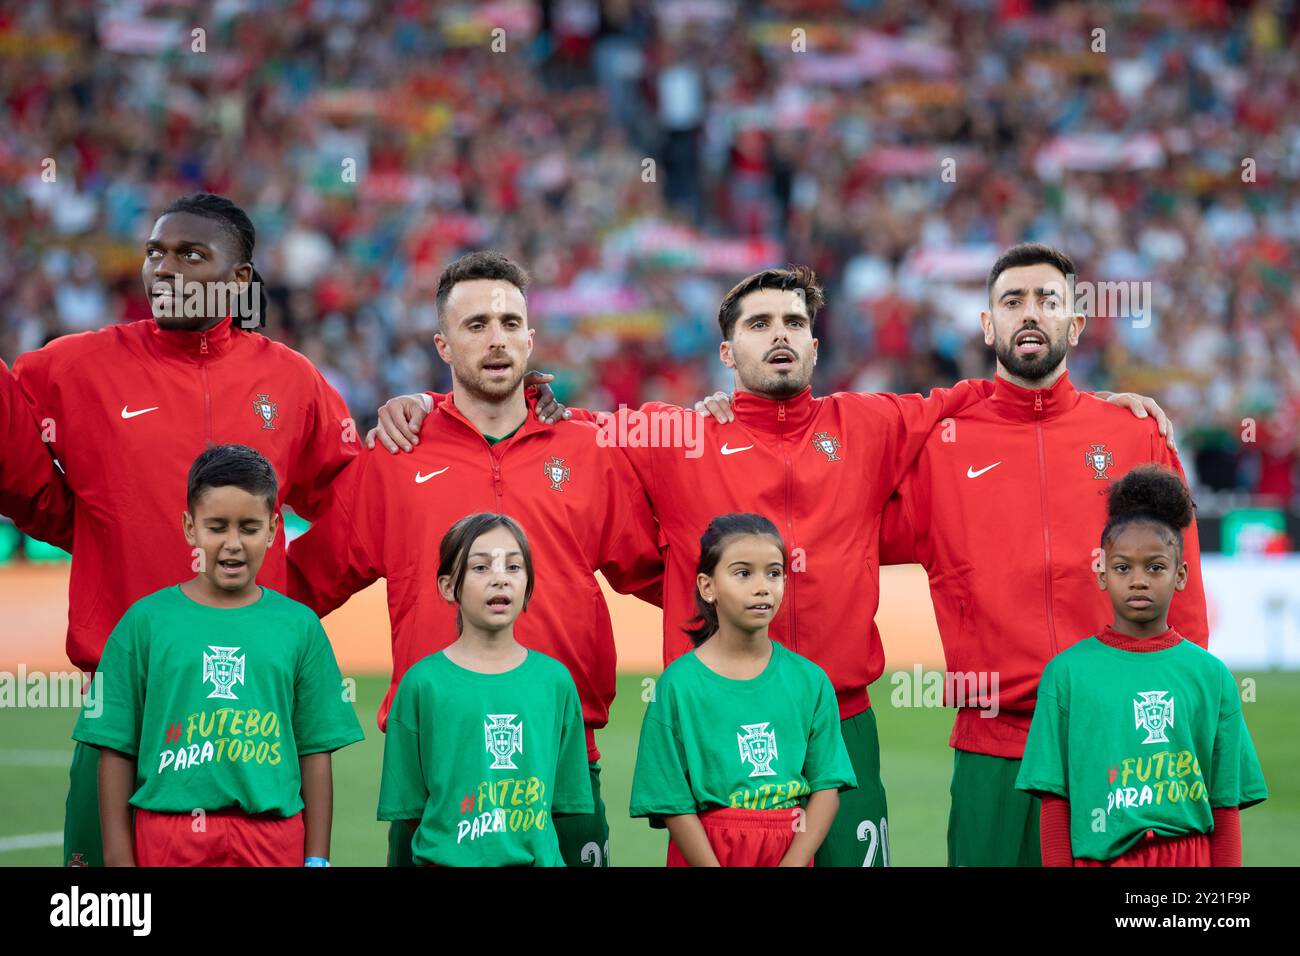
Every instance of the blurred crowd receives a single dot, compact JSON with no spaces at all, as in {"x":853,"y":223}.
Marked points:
{"x":639,"y":158}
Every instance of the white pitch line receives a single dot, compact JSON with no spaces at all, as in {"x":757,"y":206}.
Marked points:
{"x":35,"y":758}
{"x":31,"y":841}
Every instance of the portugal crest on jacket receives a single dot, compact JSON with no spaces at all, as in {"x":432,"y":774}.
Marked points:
{"x":758,"y":747}
{"x":557,"y":472}
{"x":828,"y":445}
{"x":1154,"y":713}
{"x":1099,"y":459}
{"x":266,"y":410}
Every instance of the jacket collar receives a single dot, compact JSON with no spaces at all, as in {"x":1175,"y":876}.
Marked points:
{"x":531,"y":422}
{"x":209,"y":345}
{"x":774,"y":415}
{"x":1033,"y":404}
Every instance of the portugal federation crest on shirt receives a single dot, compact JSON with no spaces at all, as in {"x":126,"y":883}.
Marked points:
{"x":266,"y":410}
{"x":504,"y":738}
{"x":758,"y":747}
{"x":1154,"y":713}
{"x":224,"y":669}
{"x":828,"y":445}
{"x":1099,"y":459}
{"x":557,"y":472}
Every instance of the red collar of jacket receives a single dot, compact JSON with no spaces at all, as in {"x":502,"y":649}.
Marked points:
{"x":1033,"y":404}
{"x":774,"y":415}
{"x":531,"y":422}
{"x":210,"y":344}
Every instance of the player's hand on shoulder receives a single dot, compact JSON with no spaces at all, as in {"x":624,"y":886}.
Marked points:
{"x":548,"y":409}
{"x":717,"y":406}
{"x":400,"y":419}
{"x":1143,"y":406}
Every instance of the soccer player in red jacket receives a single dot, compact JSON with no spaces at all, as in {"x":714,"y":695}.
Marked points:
{"x":820,"y":468}
{"x":1002,"y":507}
{"x":132,"y":405}
{"x":581,"y":505}
{"x":32,"y":492}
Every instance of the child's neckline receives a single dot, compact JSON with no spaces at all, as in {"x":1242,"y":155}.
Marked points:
{"x":214,"y":607}
{"x":528,"y":656}
{"x":759,"y":678}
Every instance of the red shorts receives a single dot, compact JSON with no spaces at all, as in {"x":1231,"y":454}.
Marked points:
{"x":742,"y":837}
{"x":1152,"y":850}
{"x":227,"y":838}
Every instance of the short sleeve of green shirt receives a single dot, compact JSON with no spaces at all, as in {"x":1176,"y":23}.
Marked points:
{"x":1045,"y":766}
{"x":660,"y":783}
{"x":403,"y":794}
{"x":114,"y":706}
{"x":826,"y":765}
{"x":1236,"y":779}
{"x":572,"y":772}
{"x":323,"y":719}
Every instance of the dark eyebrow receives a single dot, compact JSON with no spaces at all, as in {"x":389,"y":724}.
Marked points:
{"x":182,"y":244}
{"x":1019,"y":293}
{"x":768,"y":315}
{"x":485,"y":317}
{"x":484,"y":554}
{"x":743,"y":564}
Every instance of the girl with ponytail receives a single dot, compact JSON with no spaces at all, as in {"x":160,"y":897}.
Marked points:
{"x":741,"y":755}
{"x":1136,"y":727}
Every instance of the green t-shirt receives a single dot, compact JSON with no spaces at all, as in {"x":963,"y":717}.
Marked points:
{"x":217,"y":704}
{"x":761,"y":744}
{"x":1137,"y":741}
{"x":484,"y":761}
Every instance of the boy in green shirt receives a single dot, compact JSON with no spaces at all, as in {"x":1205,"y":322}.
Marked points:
{"x":1138,"y":747}
{"x":741,"y":754}
{"x":485,"y":742}
{"x":217,"y":702}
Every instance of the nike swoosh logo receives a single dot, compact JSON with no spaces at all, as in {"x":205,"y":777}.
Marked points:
{"x":972,"y":473}
{"x":731,"y":451}
{"x":126,"y":414}
{"x":421,"y":479}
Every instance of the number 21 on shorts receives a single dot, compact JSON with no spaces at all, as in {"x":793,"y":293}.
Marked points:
{"x":875,"y":837}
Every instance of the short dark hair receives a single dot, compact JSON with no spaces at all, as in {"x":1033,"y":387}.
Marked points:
{"x":1032,"y":254}
{"x":791,"y":278}
{"x":1150,"y":494}
{"x":712,"y":543}
{"x":453,"y":553}
{"x":238,"y":466}
{"x":484,"y":264}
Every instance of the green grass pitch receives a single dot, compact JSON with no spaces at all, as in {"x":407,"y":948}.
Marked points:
{"x":916,"y":761}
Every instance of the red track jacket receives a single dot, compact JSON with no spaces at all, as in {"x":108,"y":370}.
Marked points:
{"x":821,"y":469}
{"x":1004,"y":509}
{"x":132,"y":407}
{"x":581,"y":506}
{"x":32,"y":492}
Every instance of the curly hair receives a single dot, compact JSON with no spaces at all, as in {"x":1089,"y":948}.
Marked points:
{"x":1151,"y":494}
